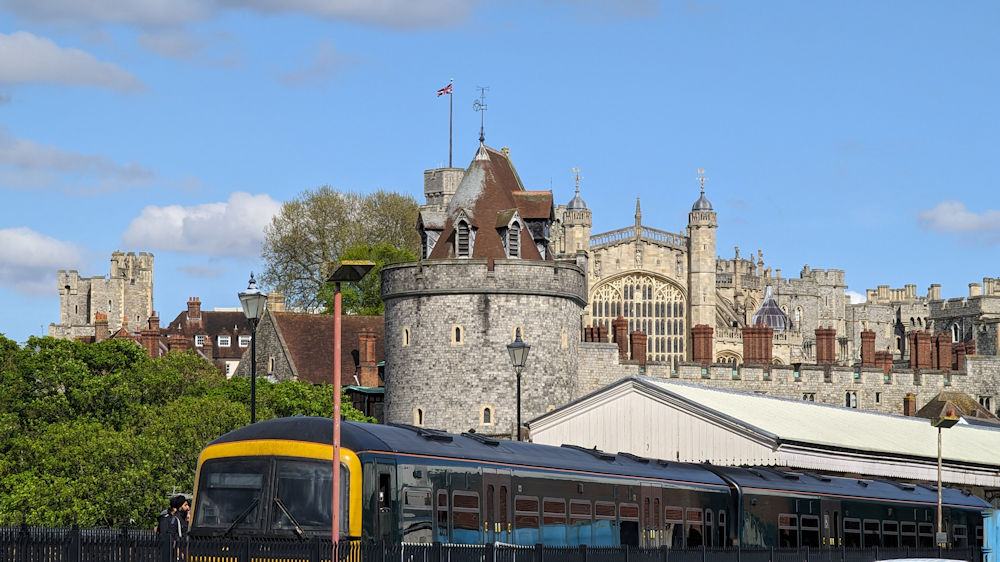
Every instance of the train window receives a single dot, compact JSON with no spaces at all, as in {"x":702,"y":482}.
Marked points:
{"x":890,"y":534}
{"x":416,"y":515}
{"x":788,"y":530}
{"x":723,"y":539}
{"x":809,"y":530}
{"x":961,"y":536}
{"x":926,"y":535}
{"x":628,"y":516}
{"x":465,"y":518}
{"x":852,"y":533}
{"x":303,"y":495}
{"x":230,"y":494}
{"x":693,"y":529}
{"x":605,"y":527}
{"x":908,"y":534}
{"x":673,"y":519}
{"x":709,"y":532}
{"x":442,"y":516}
{"x":656,"y":513}
{"x":554,"y":522}
{"x":579,"y":522}
{"x":979,"y":537}
{"x":873,"y":534}
{"x":525,"y":520}
{"x":504,"y":523}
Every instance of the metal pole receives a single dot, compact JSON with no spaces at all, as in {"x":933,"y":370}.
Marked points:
{"x":518,"y":404}
{"x":939,"y":487}
{"x":451,"y":105}
{"x":336,"y":420}
{"x":253,"y":371}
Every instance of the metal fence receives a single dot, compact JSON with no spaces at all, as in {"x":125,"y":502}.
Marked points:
{"x":35,"y":544}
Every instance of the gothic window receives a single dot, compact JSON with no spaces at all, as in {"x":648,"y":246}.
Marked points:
{"x":463,"y":239}
{"x":486,"y":415}
{"x":457,"y":334}
{"x":648,"y":303}
{"x":954,"y":333}
{"x":406,"y":336}
{"x":418,"y":416}
{"x":851,"y":399}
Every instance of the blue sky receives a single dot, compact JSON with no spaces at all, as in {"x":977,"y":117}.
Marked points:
{"x":855,"y":135}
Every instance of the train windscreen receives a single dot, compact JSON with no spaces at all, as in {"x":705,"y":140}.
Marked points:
{"x":230,"y":494}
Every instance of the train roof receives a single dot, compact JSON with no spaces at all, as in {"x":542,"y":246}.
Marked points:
{"x":771,"y":479}
{"x":421,"y":442}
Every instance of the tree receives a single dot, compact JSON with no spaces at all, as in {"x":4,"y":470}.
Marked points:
{"x":312,"y":232}
{"x":365,"y":298}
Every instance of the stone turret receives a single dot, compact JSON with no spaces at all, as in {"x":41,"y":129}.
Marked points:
{"x":702,"y":225}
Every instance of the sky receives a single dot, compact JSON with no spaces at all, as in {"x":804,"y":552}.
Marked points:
{"x":854,"y":135}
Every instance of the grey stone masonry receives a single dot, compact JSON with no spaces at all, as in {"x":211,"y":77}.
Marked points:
{"x":447,"y":325}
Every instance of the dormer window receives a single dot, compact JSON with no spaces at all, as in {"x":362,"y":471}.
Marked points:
{"x":463,"y":239}
{"x":224,"y":341}
{"x":513,"y":241}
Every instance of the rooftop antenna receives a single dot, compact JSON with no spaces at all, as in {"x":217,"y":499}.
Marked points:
{"x":701,"y":179}
{"x":480,"y":105}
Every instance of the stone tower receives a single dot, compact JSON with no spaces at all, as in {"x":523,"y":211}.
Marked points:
{"x":488,"y":271}
{"x":577,"y":221}
{"x":125,"y":297}
{"x":702,"y":224}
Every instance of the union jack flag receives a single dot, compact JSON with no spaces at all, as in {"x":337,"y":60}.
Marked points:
{"x":445,"y":90}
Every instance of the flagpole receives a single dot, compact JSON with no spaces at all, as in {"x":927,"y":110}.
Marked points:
{"x":451,"y":105}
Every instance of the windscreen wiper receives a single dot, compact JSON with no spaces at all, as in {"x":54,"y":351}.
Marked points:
{"x":241,"y":516}
{"x":281,"y":506}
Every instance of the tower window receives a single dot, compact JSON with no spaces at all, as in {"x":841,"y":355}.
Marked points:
{"x":406,"y":336}
{"x":418,"y":416}
{"x":486,"y":417}
{"x":463,"y":244}
{"x":457,"y":335}
{"x":514,"y":240}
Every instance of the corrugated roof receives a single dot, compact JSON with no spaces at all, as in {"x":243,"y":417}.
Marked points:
{"x":807,"y":422}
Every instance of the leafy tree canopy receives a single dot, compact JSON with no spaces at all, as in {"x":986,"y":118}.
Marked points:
{"x":101,"y":435}
{"x":364,"y":298}
{"x":312,"y":232}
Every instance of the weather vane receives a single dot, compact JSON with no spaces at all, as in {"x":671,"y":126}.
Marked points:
{"x":576,"y":172}
{"x":702,"y":178}
{"x":480,"y":105}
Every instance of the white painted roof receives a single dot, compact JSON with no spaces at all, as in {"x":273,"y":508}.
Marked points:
{"x":822,"y":424}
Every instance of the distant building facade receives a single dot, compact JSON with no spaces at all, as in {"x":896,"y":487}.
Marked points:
{"x":124,"y":298}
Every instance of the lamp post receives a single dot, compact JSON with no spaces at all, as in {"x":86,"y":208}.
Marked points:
{"x":945,"y":421}
{"x":518,"y":357}
{"x":350,"y":271}
{"x":253,"y":302}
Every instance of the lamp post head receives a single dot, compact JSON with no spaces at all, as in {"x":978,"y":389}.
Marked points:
{"x":351,"y":271}
{"x":947,"y":419}
{"x":253,"y":302}
{"x":518,"y":352}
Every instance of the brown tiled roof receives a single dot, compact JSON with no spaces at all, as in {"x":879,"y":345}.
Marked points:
{"x":309,"y":341}
{"x":961,"y":403}
{"x":491,"y":185}
{"x":212,"y":324}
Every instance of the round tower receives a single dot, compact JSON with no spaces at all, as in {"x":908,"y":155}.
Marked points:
{"x":701,"y":268}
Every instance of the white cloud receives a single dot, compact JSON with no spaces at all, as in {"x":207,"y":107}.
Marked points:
{"x":326,"y":62}
{"x":232,"y":228}
{"x":203,"y":271}
{"x":29,"y":260}
{"x":26,"y":164}
{"x":404,"y":14}
{"x":951,"y":217}
{"x":27,"y":59}
{"x":139,"y":12}
{"x":856,"y":297}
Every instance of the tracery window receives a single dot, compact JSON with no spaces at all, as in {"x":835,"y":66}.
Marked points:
{"x":650,"y":305}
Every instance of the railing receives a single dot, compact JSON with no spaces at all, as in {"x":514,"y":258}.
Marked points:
{"x":32,"y":544}
{"x":645,"y":232}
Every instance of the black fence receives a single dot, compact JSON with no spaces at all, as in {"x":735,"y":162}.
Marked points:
{"x":34,"y":544}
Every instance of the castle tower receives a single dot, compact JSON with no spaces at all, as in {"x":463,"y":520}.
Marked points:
{"x":577,"y":222}
{"x":702,"y":224}
{"x":450,"y":316}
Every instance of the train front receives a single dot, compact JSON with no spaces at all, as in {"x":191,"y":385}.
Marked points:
{"x":273,"y":479}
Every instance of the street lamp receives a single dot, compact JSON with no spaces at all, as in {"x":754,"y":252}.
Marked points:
{"x":350,"y":271}
{"x":253,"y":302}
{"x":945,"y":421}
{"x":518,"y":357}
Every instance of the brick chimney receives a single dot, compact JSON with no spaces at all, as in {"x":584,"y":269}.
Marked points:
{"x":883,"y":359}
{"x":177,"y":343}
{"x":920,"y":350}
{"x":638,"y":340}
{"x":959,"y":364}
{"x":701,"y":336}
{"x":757,"y":346}
{"x":149,"y":337}
{"x":601,"y":333}
{"x":910,"y":404}
{"x":826,"y":348}
{"x":620,"y":327}
{"x":367,"y":368}
{"x":194,"y":311}
{"x":101,"y":332}
{"x":868,"y":348}
{"x":942,"y":355}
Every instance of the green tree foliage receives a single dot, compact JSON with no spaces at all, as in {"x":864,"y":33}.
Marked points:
{"x":365,"y":298}
{"x":101,"y":435}
{"x":312,"y":232}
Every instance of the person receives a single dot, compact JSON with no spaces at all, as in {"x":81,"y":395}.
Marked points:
{"x":163,"y":520}
{"x":177,"y":525}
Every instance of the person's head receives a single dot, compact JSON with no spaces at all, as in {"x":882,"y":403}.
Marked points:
{"x":178,"y":502}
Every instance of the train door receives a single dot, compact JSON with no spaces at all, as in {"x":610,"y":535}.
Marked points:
{"x":497,"y":510}
{"x":652,"y":513}
{"x":383,"y":500}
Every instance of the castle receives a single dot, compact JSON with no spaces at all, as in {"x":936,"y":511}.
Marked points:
{"x":497,"y":258}
{"x":122,"y":300}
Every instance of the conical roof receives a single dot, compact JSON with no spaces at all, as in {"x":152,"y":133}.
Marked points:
{"x":769,"y":314}
{"x":702,"y":204}
{"x":576,"y":203}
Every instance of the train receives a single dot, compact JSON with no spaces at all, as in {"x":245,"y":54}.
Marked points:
{"x":410,"y":484}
